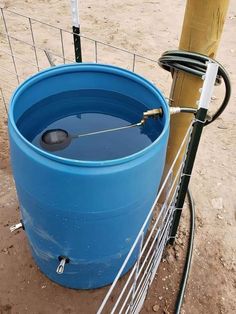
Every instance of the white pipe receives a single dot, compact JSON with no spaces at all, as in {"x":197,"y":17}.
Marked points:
{"x":208,"y":85}
{"x":75,"y":13}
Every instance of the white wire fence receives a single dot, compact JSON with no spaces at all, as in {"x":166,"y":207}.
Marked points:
{"x":28,"y":46}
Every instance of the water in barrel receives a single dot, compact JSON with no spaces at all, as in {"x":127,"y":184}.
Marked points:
{"x":84,"y":111}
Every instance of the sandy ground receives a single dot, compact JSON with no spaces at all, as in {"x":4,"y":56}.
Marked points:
{"x":147,"y":28}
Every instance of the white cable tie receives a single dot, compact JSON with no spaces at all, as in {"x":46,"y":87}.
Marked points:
{"x":178,"y":208}
{"x":185,"y":175}
{"x":200,"y":121}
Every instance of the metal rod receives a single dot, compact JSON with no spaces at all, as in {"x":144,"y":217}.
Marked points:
{"x":143,"y":277}
{"x":125,"y":302}
{"x":155,"y":260}
{"x":77,"y":44}
{"x":123,"y":290}
{"x":159,"y":234}
{"x":108,"y":130}
{"x":143,"y":290}
{"x":162,"y":211}
{"x":10,"y":46}
{"x":62,"y":46}
{"x":33,"y":41}
{"x":192,"y":148}
{"x":136,"y":271}
{"x":134,"y":59}
{"x":96,"y":51}
{"x":166,"y":238}
{"x":155,"y":263}
{"x":151,"y":261}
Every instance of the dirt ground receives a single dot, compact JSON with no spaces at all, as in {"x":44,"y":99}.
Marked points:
{"x":147,"y":28}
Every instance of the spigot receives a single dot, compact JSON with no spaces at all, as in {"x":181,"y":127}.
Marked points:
{"x":16,"y":227}
{"x":63,"y":261}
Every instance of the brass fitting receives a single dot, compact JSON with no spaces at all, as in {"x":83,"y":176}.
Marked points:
{"x":153,"y":113}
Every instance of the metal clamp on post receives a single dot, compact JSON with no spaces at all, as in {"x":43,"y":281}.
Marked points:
{"x":191,"y":151}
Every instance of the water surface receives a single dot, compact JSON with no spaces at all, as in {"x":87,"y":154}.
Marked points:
{"x":85,"y":111}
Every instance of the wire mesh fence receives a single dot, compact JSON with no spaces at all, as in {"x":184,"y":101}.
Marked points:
{"x":28,"y":46}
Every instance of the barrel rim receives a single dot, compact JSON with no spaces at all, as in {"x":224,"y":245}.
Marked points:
{"x":88,"y":67}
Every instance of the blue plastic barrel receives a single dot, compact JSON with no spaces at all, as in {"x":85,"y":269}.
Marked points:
{"x":88,"y":211}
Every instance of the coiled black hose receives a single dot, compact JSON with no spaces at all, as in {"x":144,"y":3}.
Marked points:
{"x":196,"y":64}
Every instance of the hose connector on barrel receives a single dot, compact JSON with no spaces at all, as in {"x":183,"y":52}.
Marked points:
{"x":158,"y":112}
{"x":175,"y":110}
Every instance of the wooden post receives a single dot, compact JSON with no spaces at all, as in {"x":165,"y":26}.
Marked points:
{"x":201,"y":32}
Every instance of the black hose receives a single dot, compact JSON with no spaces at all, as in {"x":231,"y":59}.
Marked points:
{"x":196,"y":64}
{"x":189,"y":254}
